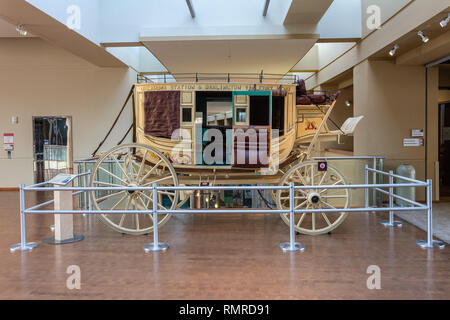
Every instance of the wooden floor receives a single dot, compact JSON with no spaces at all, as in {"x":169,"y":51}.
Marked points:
{"x":221,"y":257}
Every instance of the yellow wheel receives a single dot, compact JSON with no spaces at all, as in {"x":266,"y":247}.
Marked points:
{"x":133,"y":165}
{"x":307,"y":174}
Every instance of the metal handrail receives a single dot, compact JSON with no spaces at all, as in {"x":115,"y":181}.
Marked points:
{"x":288,"y":246}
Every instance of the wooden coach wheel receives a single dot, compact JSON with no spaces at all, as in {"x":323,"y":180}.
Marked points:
{"x":133,"y":165}
{"x":307,"y":174}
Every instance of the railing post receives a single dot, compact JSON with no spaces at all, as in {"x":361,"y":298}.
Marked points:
{"x":366,"y":182}
{"x":430,"y":243}
{"x":374,"y":178}
{"x":85,"y":184}
{"x":292,"y":245}
{"x":23,"y":245}
{"x":391,"y":222}
{"x":156,"y":245}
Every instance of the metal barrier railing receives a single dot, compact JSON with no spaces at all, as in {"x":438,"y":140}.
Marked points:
{"x":287,"y":246}
{"x":374,"y":160}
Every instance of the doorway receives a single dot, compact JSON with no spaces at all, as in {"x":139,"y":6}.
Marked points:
{"x":52,"y":147}
{"x":444,"y":151}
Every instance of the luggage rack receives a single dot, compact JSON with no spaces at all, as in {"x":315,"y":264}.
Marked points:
{"x":262,"y":77}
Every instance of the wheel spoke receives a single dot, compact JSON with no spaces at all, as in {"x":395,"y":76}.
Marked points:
{"x":150,"y":171}
{"x":301,"y":204}
{"x":119,"y":202}
{"x":137,"y":221}
{"x":157,"y":180}
{"x":113,"y":175}
{"x":329,"y":205}
{"x":107,"y":184}
{"x":109,"y":196}
{"x":142,"y":165}
{"x":301,"y":178}
{"x":151,"y":200}
{"x":326,"y":218}
{"x":121,"y":168}
{"x":340,"y":180}
{"x":301,"y":218}
{"x":323,"y":178}
{"x":122,"y":219}
{"x":335,"y":196}
{"x":313,"y":221}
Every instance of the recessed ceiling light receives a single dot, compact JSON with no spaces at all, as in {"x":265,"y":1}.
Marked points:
{"x":444,"y":22}
{"x":424,"y":37}
{"x":21,"y":30}
{"x":394,"y":50}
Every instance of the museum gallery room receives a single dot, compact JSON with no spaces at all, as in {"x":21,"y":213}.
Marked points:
{"x":225,"y":150}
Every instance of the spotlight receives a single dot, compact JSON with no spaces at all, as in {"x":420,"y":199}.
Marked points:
{"x":348,"y":103}
{"x":394,"y":50}
{"x":444,"y":22}
{"x":424,"y":38}
{"x":21,"y":30}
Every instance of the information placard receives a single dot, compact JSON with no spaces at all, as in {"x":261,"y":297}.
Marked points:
{"x":63,"y":179}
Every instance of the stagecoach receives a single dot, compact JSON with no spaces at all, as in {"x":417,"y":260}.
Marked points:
{"x":222,"y":133}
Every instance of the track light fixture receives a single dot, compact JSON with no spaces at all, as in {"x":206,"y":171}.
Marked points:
{"x":21,"y":30}
{"x":394,"y":50}
{"x":424,"y":37}
{"x":444,"y":22}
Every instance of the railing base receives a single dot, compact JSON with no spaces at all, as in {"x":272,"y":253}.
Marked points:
{"x":18,"y":247}
{"x":286,"y":246}
{"x":52,"y":240}
{"x":435,"y":245}
{"x":161,"y":246}
{"x":397,"y":224}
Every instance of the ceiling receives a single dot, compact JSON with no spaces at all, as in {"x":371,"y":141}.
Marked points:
{"x":8,"y":30}
{"x":42,"y":25}
{"x":272,"y":55}
{"x":306,"y":11}
{"x":411,"y":40}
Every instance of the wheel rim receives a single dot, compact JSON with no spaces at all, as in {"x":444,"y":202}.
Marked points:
{"x":133,"y":165}
{"x":307,"y":174}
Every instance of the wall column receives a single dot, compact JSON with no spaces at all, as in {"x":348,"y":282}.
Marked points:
{"x":392,"y":100}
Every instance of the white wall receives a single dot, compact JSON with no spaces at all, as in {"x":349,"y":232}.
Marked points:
{"x":37,"y":79}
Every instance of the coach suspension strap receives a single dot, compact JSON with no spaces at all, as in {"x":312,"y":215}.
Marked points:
{"x":131,"y":94}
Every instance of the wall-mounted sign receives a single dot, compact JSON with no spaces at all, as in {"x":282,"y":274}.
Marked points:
{"x":415,"y":133}
{"x":413,"y":142}
{"x":8,"y":138}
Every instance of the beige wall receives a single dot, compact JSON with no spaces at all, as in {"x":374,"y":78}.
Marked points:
{"x":392,"y":100}
{"x":38,"y":79}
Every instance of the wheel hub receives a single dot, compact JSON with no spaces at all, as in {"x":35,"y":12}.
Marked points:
{"x":313,"y":198}
{"x":131,"y":192}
